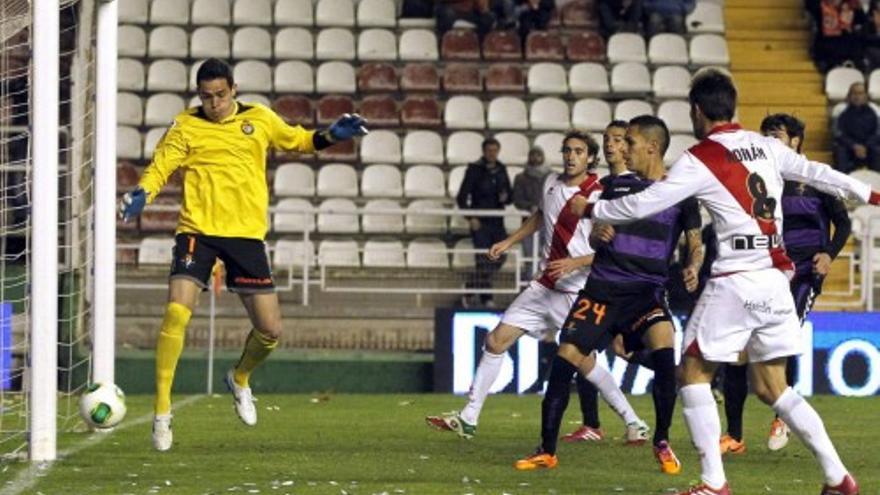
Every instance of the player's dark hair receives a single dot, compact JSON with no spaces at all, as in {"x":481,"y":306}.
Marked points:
{"x":619,"y":124}
{"x":654,"y":127}
{"x":713,"y":91}
{"x":214,"y":68}
{"x":592,"y":145}
{"x":488,"y":141}
{"x":793,"y":126}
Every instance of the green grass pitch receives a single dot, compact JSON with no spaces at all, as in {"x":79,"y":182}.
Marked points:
{"x":379,"y":444}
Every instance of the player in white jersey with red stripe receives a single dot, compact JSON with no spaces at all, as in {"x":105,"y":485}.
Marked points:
{"x":543,"y":306}
{"x":746,"y":305}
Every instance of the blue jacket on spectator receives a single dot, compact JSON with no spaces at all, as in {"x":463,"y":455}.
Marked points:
{"x":669,"y":7}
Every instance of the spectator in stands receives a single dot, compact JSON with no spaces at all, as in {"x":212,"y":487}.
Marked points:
{"x":477,"y":12}
{"x":418,"y":9}
{"x":836,"y":39}
{"x":666,"y":16}
{"x":485,"y":186}
{"x":871,"y":37}
{"x":527,"y":189}
{"x":857,"y":133}
{"x":620,"y":16}
{"x":534,"y":15}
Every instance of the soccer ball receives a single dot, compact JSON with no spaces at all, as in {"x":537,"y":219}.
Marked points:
{"x":102,"y":405}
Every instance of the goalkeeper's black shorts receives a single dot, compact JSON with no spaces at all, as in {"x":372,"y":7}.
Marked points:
{"x":245,"y":260}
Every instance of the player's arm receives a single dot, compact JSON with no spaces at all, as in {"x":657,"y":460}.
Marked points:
{"x":563,"y":266}
{"x":823,"y":177}
{"x":527,"y":228}
{"x":836,"y":211}
{"x":693,"y":235}
{"x":296,"y":138}
{"x":170,"y":152}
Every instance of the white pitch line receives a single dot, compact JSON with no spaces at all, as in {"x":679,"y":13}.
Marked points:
{"x":27,"y":478}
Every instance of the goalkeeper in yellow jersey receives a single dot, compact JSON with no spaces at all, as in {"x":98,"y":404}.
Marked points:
{"x":221,"y":149}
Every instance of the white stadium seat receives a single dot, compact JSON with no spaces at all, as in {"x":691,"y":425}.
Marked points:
{"x":678,"y":144}
{"x":456,"y":175}
{"x":128,"y":143}
{"x":129,"y":109}
{"x":427,"y":253}
{"x":253,"y":75}
{"x":252,"y":42}
{"x":338,"y":216}
{"x":294,"y":76}
{"x":627,"y":109}
{"x":676,"y":115}
{"x":626,"y":47}
{"x":463,"y":255}
{"x":423,"y":147}
{"x":464,"y":147}
{"x":709,"y":49}
{"x":335,"y":77}
{"x":161,"y":108}
{"x":874,"y":85}
{"x":381,"y":223}
{"x":337,"y":179}
{"x":130,"y":75}
{"x":549,"y":114}
{"x":514,"y":148}
{"x":155,"y":250}
{"x":151,"y":139}
{"x":551,"y":143}
{"x":507,"y":112}
{"x":707,"y":17}
{"x":294,"y":13}
{"x":418,"y":44}
{"x":133,"y":11}
{"x":377,"y":44}
{"x":211,"y":13}
{"x":839,"y":79}
{"x":424,"y":181}
{"x":335,"y":44}
{"x":132,"y":41}
{"x":293,"y":222}
{"x":252,"y":13}
{"x":464,"y":112}
{"x":294,"y":43}
{"x":588,"y":78}
{"x":380,"y":253}
{"x":343,"y":253}
{"x":381,"y":181}
{"x":380,"y":146}
{"x":376,"y":13}
{"x":668,"y":49}
{"x":169,"y":12}
{"x":254,"y":98}
{"x":547,"y":78}
{"x":591,"y":114}
{"x":337,"y":13}
{"x":671,"y":81}
{"x":293,"y":255}
{"x":209,"y":41}
{"x":425,"y":224}
{"x":167,"y":75}
{"x":630,"y":77}
{"x":294,"y":179}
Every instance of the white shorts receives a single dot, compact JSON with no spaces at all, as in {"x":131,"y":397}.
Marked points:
{"x":537,"y":310}
{"x":750,"y":311}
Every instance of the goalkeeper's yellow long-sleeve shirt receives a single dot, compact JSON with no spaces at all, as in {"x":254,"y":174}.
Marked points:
{"x":225,"y":192}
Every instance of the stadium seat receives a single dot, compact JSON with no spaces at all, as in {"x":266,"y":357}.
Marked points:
{"x":417,"y":223}
{"x":337,"y":216}
{"x":839,"y":79}
{"x":294,"y":13}
{"x":579,"y":14}
{"x":254,"y":98}
{"x":547,"y":78}
{"x":678,"y":144}
{"x":464,"y":112}
{"x":168,"y":75}
{"x":160,"y":221}
{"x":626,"y":47}
{"x":252,"y":42}
{"x":462,"y":78}
{"x":423,"y":147}
{"x":456,"y":176}
{"x":513,"y":220}
{"x":211,"y":13}
{"x":381,"y":181}
{"x":504,"y":78}
{"x":515,"y":256}
{"x":294,"y":43}
{"x":129,"y":109}
{"x":209,"y":41}
{"x":335,"y":44}
{"x":420,"y":77}
{"x":460,"y":44}
{"x":671,"y":81}
{"x":376,"y":76}
{"x":381,"y":253}
{"x":128,"y":143}
{"x":591,"y":114}
{"x":130,"y":75}
{"x":161,"y":108}
{"x":424,"y":181}
{"x":252,"y":13}
{"x":463,"y":255}
{"x":169,"y":12}
{"x":336,"y":77}
{"x":294,"y":179}
{"x":588,"y":78}
{"x":168,"y":42}
{"x":294,"y":76}
{"x":464,"y":147}
{"x":514,"y":148}
{"x":133,"y":11}
{"x":668,"y":49}
{"x":417,"y":45}
{"x":376,"y":13}
{"x":420,"y":111}
{"x":551,"y":143}
{"x":331,"y":107}
{"x":380,"y":111}
{"x":427,"y":253}
{"x":380,"y":147}
{"x":545,"y":46}
{"x":709,"y":49}
{"x":295,"y":110}
{"x":630,"y":77}
{"x":155,"y":250}
{"x":549,"y":114}
{"x":585,"y":47}
{"x":342,"y":253}
{"x":676,"y":115}
{"x":151,"y":139}
{"x":127,"y":175}
{"x":502,"y":45}
{"x":345,"y":151}
{"x":335,"y":13}
{"x":508,"y":112}
{"x":874,"y":85}
{"x":293,"y":255}
{"x":377,"y":44}
{"x":382,"y":223}
{"x":707,"y":17}
{"x":628,"y":109}
{"x":293,"y":222}
{"x":337,"y":179}
{"x":132,"y":42}
{"x":253,"y":75}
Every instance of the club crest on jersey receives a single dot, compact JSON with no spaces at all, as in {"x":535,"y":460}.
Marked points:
{"x":247,"y":127}
{"x":745,"y":154}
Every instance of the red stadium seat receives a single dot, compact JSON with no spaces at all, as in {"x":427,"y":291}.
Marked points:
{"x":580,"y":14}
{"x":339,"y":152}
{"x":380,"y":111}
{"x":544,"y":45}
{"x":462,"y":78}
{"x":295,"y":110}
{"x":160,"y":221}
{"x":331,"y":107}
{"x":421,"y":111}
{"x":460,"y":44}
{"x":585,"y":46}
{"x":420,"y":77}
{"x":127,"y":176}
{"x":502,"y":45}
{"x":375,"y":77}
{"x":505,"y":78}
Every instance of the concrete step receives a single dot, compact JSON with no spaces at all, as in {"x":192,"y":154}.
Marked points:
{"x":757,"y":65}
{"x":749,"y":33}
{"x":780,"y":96}
{"x":785,"y":4}
{"x":778,"y":56}
{"x":811,"y":76}
{"x":766,"y":45}
{"x":767,"y":17}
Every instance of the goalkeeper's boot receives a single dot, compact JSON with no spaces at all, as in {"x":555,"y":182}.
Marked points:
{"x":778,"y":437}
{"x":451,"y":421}
{"x":704,"y":489}
{"x":162,"y":434}
{"x":244,"y":400}
{"x":637,"y":432}
{"x":667,"y":459}
{"x":730,"y":445}
{"x":846,"y":487}
{"x":538,"y":460}
{"x":585,"y":434}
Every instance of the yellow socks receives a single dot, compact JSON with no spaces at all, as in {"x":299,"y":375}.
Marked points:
{"x":168,"y":350}
{"x":257,"y":348}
